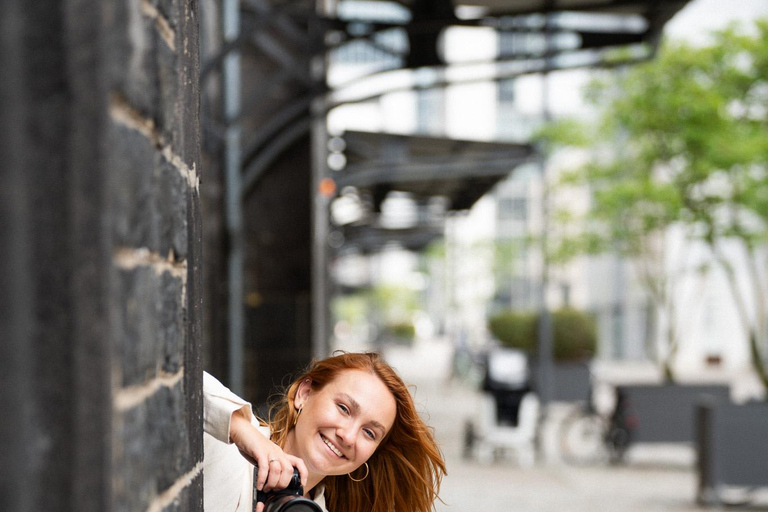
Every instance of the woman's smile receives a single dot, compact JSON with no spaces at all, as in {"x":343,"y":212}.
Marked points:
{"x":333,"y":447}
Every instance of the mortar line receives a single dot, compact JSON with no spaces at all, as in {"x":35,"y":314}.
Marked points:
{"x":166,"y":497}
{"x":128,"y":258}
{"x":123,"y":113}
{"x":129,"y":397}
{"x":161,"y":23}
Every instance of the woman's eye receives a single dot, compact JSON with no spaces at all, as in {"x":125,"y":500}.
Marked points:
{"x":344,"y":408}
{"x":370,"y":434}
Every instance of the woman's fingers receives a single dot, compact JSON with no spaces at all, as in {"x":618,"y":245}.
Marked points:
{"x":275,"y":472}
{"x":261,"y":472}
{"x":279,"y":472}
{"x":299,"y":464}
{"x":286,"y":473}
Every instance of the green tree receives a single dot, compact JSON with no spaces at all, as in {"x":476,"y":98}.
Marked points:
{"x":689,"y":150}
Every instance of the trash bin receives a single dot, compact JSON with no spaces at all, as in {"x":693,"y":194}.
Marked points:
{"x":732,"y":448}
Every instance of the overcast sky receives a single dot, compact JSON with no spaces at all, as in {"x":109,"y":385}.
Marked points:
{"x":701,"y":17}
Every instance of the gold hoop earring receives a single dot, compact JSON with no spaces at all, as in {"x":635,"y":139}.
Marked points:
{"x":367,"y":471}
{"x":296,"y":419}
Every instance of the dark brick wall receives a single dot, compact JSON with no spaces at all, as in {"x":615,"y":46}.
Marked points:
{"x":100,"y":360}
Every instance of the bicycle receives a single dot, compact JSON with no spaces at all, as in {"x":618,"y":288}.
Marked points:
{"x":588,"y":437}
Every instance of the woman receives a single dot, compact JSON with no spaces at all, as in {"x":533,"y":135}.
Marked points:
{"x":348,"y":424}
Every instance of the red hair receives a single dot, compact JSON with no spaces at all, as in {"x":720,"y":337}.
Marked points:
{"x":406,"y":469}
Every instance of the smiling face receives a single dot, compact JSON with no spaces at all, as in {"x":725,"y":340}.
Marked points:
{"x":342,"y":424}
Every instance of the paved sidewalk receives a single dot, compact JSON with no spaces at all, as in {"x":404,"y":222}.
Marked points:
{"x":653,"y":481}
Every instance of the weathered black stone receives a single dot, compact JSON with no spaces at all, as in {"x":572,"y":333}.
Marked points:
{"x":19,"y":475}
{"x":189,"y":499}
{"x":149,"y":327}
{"x":167,"y":81}
{"x":45,"y":127}
{"x":150,"y":207}
{"x":131,"y":164}
{"x":172,"y":193}
{"x":185,"y":131}
{"x":154,"y":454}
{"x":131,"y":66}
{"x":193,"y":355}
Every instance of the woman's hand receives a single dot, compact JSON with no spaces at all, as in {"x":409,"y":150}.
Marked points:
{"x":275,"y":467}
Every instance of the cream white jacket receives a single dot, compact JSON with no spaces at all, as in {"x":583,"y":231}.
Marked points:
{"x":227,"y":475}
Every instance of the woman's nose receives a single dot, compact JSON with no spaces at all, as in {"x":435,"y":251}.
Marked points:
{"x":347,"y":434}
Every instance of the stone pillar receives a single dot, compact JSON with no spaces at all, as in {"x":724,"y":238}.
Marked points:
{"x":100,"y":274}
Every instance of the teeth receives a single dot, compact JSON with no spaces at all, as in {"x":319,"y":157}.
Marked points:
{"x":333,"y":448}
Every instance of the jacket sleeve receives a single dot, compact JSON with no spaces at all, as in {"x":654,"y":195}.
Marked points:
{"x":218,"y":405}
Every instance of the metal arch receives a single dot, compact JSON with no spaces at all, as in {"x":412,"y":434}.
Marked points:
{"x":535,"y":66}
{"x":282,"y":20}
{"x":256,"y":169}
{"x":277,"y":123}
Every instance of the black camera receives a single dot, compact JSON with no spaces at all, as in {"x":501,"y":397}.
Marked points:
{"x":290,"y":499}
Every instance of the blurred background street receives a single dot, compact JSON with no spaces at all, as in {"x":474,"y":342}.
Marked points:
{"x":654,"y":478}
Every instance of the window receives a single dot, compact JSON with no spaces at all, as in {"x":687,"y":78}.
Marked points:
{"x":515,"y":208}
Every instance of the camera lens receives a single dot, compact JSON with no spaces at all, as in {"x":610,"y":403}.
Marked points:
{"x":292,"y":504}
{"x":299,"y":507}
{"x":289,"y":499}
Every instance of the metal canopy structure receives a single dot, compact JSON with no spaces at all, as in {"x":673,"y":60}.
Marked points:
{"x":372,"y":239}
{"x":548,"y":34}
{"x":516,"y":7}
{"x":266,"y":145}
{"x":459,"y":170}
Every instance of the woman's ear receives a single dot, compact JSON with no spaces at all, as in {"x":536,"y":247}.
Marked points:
{"x":302,"y":393}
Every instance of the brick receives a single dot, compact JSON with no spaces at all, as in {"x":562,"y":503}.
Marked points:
{"x":149,"y":325}
{"x":151,"y":451}
{"x":131,"y":162}
{"x":158,"y":81}
{"x":170,"y":99}
{"x":132,"y":67}
{"x":150,"y":207}
{"x":171,"y":195}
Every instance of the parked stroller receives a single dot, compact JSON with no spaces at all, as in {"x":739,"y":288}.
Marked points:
{"x":508,"y":411}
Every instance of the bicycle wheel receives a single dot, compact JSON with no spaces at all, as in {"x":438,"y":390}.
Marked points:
{"x":581,"y":439}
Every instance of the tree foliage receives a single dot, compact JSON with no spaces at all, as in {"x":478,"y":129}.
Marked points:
{"x":687,"y":146}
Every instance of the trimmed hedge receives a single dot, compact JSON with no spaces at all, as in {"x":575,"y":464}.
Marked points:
{"x":402,"y":330}
{"x":574,"y":333}
{"x":515,"y":330}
